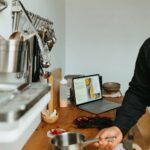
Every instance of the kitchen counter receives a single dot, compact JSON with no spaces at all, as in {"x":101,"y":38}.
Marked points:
{"x":39,"y":139}
{"x":25,"y":109}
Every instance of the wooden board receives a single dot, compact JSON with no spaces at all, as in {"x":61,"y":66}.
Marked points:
{"x":54,"y":80}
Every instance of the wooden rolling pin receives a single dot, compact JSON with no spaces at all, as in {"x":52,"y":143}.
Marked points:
{"x":54,"y":81}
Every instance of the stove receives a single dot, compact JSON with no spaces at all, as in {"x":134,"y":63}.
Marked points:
{"x":20,"y":114}
{"x":13,"y":104}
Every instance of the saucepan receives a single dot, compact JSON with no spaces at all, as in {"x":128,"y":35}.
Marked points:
{"x":70,"y":141}
{"x":12,"y":55}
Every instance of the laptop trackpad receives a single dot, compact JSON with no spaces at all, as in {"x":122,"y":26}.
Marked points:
{"x":99,"y":106}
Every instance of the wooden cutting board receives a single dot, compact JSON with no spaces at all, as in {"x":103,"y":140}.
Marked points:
{"x":54,"y":80}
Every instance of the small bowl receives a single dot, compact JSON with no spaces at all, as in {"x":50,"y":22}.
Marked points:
{"x":49,"y":118}
{"x":111,"y":86}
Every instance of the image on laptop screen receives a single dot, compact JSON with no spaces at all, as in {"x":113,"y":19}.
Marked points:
{"x":87,"y":89}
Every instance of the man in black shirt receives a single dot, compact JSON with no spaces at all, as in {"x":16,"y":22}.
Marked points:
{"x":136,"y":99}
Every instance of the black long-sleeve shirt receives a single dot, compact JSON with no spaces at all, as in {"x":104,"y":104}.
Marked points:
{"x":137,"y":96}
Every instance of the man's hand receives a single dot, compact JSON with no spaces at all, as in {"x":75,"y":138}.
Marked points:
{"x":105,"y":135}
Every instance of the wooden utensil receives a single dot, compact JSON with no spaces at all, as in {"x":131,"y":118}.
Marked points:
{"x":54,"y":80}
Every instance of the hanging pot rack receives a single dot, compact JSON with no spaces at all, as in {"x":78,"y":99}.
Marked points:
{"x":39,"y":23}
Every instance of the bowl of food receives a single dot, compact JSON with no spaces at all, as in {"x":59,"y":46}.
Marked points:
{"x":55,"y":131}
{"x":87,"y":81}
{"x":111,"y":86}
{"x":49,"y":117}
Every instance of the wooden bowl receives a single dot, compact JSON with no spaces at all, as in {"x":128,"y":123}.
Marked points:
{"x":111,"y":86}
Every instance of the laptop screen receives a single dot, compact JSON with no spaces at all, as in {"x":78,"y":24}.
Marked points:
{"x":87,"y":89}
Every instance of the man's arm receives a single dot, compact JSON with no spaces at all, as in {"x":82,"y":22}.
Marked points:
{"x":137,"y":96}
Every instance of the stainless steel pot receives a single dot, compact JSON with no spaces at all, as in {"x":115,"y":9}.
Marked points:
{"x":12,"y":55}
{"x":70,"y":141}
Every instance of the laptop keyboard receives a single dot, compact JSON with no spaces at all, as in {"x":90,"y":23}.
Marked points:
{"x":99,"y":106}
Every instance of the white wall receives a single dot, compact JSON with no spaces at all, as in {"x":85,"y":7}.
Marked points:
{"x":50,"y":9}
{"x":104,"y":36}
{"x":5,"y":21}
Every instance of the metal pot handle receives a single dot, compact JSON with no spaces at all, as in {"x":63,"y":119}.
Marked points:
{"x":85,"y":143}
{"x":109,"y":139}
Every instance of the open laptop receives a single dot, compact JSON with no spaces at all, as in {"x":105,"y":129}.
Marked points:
{"x":88,"y":94}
